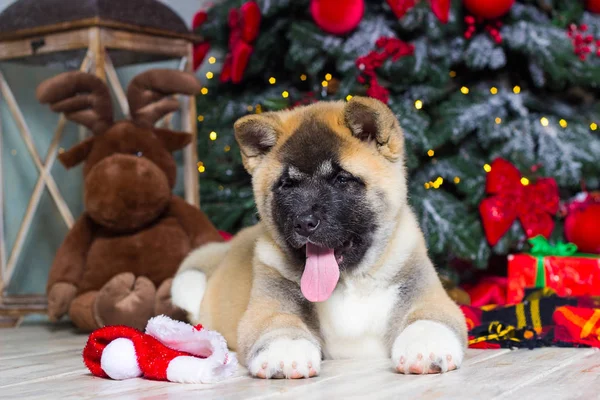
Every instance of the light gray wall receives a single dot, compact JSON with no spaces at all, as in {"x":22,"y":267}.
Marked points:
{"x":20,"y":173}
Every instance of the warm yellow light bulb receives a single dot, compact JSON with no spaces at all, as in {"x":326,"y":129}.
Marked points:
{"x":204,"y":90}
{"x":227,"y":148}
{"x":272,"y":80}
{"x":200,"y":118}
{"x":430,"y":152}
{"x":348,"y":97}
{"x":426,"y":184}
{"x":324,"y":83}
{"x":250,"y":108}
{"x":209,"y":75}
{"x":493,"y":90}
{"x":328,"y":77}
{"x":544,"y":121}
{"x":517,"y":89}
{"x":593,"y":126}
{"x":212,"y":60}
{"x":285,"y":94}
{"x":452,"y":74}
{"x":563,"y":123}
{"x":487,"y":167}
{"x":456,"y":179}
{"x":418,"y":104}
{"x":524,"y":181}
{"x":464,"y":90}
{"x":303,"y":77}
{"x":498,"y":120}
{"x":201,"y":169}
{"x":213,"y":135}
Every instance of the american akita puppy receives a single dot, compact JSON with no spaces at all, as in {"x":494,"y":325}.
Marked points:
{"x":338,"y":266}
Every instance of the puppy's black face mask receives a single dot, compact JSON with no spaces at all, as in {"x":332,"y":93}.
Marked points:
{"x":315,"y":201}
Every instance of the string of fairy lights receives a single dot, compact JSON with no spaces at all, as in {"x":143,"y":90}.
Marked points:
{"x":418,"y":104}
{"x":544,"y":121}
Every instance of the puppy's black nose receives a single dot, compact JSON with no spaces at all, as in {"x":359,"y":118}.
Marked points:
{"x":306,"y":224}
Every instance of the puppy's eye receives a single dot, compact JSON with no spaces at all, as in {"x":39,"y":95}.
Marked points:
{"x":287,"y":183}
{"x":342,"y":179}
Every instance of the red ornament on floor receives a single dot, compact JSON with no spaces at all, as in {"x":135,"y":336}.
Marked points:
{"x":593,"y":6}
{"x":582,"y":225}
{"x":337,"y":17}
{"x":488,"y":9}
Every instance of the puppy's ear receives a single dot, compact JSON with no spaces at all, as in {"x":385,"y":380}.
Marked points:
{"x":256,"y":135}
{"x":372,"y":121}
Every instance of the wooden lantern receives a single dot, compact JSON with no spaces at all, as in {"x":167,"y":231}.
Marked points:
{"x":95,"y":36}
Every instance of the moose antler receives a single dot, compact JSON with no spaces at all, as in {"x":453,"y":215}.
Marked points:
{"x":82,"y":97}
{"x":149,"y":93}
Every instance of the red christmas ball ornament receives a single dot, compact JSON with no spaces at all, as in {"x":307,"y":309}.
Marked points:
{"x":490,"y":9}
{"x":593,"y":6}
{"x":582,"y":225}
{"x":337,"y":17}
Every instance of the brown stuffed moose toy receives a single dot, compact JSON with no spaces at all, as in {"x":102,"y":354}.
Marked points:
{"x":116,"y":264}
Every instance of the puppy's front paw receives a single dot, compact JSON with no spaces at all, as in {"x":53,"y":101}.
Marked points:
{"x":286,"y":358}
{"x":427,"y":347}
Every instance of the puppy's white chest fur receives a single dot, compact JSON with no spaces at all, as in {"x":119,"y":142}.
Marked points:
{"x":354,"y":321}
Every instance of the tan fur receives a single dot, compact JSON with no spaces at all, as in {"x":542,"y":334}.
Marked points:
{"x":253,"y":297}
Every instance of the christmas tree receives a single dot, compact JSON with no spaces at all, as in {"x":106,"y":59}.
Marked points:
{"x":470,"y":81}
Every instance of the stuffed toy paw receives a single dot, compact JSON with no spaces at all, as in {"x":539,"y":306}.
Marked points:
{"x":169,"y":350}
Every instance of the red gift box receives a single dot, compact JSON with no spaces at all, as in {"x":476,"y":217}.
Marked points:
{"x":558,"y":267}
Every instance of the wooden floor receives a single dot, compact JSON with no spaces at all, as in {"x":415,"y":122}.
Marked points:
{"x":44,"y":362}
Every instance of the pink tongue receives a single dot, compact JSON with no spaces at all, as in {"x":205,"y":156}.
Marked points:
{"x":321,"y":273}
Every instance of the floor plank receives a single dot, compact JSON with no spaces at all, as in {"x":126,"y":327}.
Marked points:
{"x":579,"y":379}
{"x":45,"y":362}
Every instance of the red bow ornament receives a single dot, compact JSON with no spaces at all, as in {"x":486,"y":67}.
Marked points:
{"x":200,"y":49}
{"x":244,"y":24}
{"x":440,"y":8}
{"x":514,"y":197}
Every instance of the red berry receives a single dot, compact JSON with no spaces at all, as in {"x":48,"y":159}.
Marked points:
{"x":598,"y":42}
{"x":586,"y":49}
{"x":583,"y":27}
{"x":469,"y":20}
{"x":582,"y":57}
{"x":570,"y":34}
{"x":598,"y":52}
{"x":498,"y":39}
{"x":589,"y":39}
{"x":494,"y":32}
{"x":468,"y":35}
{"x":572,"y":27}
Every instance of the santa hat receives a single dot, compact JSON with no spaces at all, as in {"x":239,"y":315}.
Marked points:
{"x":169,"y":350}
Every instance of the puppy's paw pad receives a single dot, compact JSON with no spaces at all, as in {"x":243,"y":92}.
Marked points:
{"x":427,"y":347}
{"x":286,"y":358}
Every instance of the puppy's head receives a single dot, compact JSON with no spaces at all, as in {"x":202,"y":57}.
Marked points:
{"x":329,"y":182}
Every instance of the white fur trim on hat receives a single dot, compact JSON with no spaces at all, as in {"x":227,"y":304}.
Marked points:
{"x":119,"y":360}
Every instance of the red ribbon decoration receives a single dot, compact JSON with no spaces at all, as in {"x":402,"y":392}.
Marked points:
{"x":534,"y":204}
{"x":244,"y":24}
{"x":440,"y":8}
{"x":200,"y":49}
{"x":390,"y":47}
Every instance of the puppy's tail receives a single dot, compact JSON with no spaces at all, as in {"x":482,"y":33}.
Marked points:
{"x":189,"y":284}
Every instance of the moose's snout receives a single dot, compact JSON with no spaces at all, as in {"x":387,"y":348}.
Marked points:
{"x":125,"y":192}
